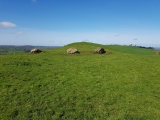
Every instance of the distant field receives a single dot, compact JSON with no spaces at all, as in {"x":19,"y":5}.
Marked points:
{"x":12,"y":49}
{"x":121,"y":85}
{"x":157,"y":48}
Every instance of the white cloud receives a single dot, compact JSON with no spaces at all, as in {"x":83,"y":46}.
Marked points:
{"x":7,"y":25}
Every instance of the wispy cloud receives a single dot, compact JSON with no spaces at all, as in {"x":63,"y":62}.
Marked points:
{"x":117,"y":35}
{"x":135,"y":39}
{"x":7,"y":25}
{"x":34,"y":0}
{"x":18,"y":33}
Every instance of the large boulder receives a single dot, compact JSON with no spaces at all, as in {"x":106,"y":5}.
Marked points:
{"x":100,"y":50}
{"x":35,"y":50}
{"x":72,"y":51}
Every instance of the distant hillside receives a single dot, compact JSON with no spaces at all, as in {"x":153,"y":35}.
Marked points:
{"x":10,"y":49}
{"x":157,"y":48}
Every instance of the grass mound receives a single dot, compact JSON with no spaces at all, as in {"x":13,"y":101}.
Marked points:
{"x":88,"y":48}
{"x":85,"y":47}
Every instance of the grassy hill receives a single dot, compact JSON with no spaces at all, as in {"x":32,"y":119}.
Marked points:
{"x":88,"y":48}
{"x":54,"y":85}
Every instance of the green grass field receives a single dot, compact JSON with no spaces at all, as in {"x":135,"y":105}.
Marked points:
{"x":121,"y":85}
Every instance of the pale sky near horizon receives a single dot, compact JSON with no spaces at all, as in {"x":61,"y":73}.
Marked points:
{"x":60,"y":22}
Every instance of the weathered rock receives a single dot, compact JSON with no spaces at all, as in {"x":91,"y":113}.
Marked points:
{"x":100,"y":50}
{"x":72,"y":51}
{"x":35,"y":50}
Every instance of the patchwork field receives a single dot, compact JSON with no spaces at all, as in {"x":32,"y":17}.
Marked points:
{"x":123,"y":84}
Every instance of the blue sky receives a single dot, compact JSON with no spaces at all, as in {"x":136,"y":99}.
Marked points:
{"x":60,"y":22}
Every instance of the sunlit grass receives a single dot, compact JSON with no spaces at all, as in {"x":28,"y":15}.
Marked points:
{"x":55,"y":85}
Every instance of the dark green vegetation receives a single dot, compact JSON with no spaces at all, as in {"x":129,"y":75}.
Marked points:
{"x":122,"y":85}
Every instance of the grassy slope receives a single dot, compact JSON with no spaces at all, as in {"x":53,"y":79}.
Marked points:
{"x":131,"y":50}
{"x":54,"y":85}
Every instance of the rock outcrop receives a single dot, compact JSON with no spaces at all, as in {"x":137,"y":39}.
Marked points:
{"x":72,"y":51}
{"x":100,"y":50}
{"x":35,"y":50}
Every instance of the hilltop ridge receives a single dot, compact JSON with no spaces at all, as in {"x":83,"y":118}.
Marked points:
{"x":88,"y":47}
